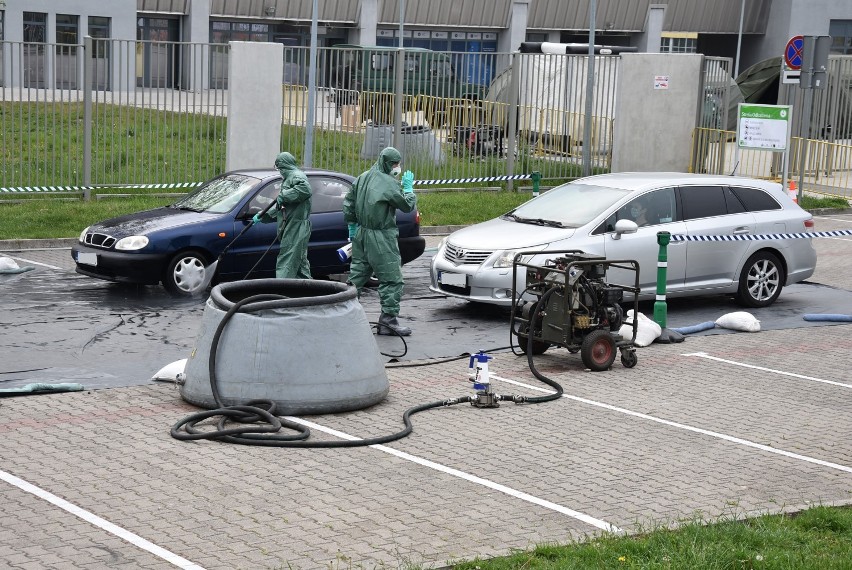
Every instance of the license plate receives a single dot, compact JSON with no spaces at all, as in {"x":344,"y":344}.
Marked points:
{"x":453,"y":279}
{"x":87,"y":258}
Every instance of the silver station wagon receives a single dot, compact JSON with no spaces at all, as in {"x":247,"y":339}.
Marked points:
{"x":619,"y":215}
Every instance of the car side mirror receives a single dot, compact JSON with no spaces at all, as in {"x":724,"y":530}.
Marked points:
{"x":624,"y":227}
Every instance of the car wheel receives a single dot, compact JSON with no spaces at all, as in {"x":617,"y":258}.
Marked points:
{"x":186,"y":274}
{"x":761,"y":280}
{"x":598,"y":350}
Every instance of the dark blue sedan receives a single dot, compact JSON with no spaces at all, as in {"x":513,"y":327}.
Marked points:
{"x":173,"y":245}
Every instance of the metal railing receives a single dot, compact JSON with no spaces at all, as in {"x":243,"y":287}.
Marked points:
{"x":152,"y":116}
{"x":156,"y":112}
{"x":827,"y":165}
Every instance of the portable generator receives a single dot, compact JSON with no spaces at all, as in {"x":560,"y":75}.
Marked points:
{"x":568,"y":303}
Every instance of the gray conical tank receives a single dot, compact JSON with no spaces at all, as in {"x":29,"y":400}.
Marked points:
{"x":311,"y":352}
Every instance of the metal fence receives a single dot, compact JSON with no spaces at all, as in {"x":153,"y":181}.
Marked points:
{"x":149,"y":117}
{"x":820,"y":153}
{"x":156,"y":112}
{"x":455,"y":116}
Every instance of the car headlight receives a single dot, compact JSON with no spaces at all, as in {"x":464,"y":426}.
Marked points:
{"x":131,"y":243}
{"x":83,"y":235}
{"x":505,"y":259}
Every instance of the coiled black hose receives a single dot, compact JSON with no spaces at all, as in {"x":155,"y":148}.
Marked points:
{"x":261,"y":423}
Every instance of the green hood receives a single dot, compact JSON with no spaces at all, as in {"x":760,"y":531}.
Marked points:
{"x":285,"y":162}
{"x":387,"y":158}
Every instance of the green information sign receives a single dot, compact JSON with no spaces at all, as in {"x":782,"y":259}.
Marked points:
{"x":763,"y":127}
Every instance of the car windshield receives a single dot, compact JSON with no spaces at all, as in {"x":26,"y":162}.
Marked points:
{"x":219,"y":196}
{"x":570,"y":205}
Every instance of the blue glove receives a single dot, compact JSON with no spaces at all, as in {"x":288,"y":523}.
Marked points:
{"x":255,"y":219}
{"x":407,"y":182}
{"x":353,"y":229}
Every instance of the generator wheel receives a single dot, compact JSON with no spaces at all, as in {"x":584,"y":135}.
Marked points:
{"x":629,"y":358}
{"x":538,"y":346}
{"x":598,"y":350}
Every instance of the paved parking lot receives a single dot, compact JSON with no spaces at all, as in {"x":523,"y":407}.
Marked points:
{"x":720,"y":424}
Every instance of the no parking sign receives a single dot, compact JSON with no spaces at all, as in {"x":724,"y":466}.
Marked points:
{"x":793,"y":52}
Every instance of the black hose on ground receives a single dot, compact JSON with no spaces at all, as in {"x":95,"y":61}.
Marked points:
{"x":261,"y":423}
{"x":534,"y":314}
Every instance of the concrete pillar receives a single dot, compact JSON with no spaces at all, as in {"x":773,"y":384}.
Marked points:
{"x":254,"y":115}
{"x":655,"y":111}
{"x":649,"y":41}
{"x":368,"y":19}
{"x":510,"y":40}
{"x":196,"y":29}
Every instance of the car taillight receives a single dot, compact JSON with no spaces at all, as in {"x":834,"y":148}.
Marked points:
{"x":809,"y":224}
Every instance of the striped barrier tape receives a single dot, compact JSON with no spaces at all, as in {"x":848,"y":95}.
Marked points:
{"x":22,"y":189}
{"x":468,"y":180}
{"x":749,"y":237}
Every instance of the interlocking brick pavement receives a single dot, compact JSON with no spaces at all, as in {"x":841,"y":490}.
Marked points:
{"x":230,"y":506}
{"x":675,"y":436}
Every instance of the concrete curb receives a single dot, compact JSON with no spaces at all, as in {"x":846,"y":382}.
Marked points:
{"x":18,"y":244}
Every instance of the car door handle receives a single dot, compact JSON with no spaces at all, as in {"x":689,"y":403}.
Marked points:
{"x":741,"y":231}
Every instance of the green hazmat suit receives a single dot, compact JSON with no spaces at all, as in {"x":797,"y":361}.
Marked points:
{"x":293,"y":217}
{"x":372,"y":203}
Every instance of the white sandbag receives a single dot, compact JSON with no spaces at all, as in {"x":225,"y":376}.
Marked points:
{"x":7,"y":263}
{"x":170,"y":372}
{"x":739,"y":321}
{"x":647,"y":331}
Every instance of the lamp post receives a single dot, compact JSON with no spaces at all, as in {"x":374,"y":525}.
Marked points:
{"x":739,"y":40}
{"x":590,"y":92}
{"x":312,"y":90}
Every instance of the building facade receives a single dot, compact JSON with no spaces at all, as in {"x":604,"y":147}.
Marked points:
{"x":710,"y":27}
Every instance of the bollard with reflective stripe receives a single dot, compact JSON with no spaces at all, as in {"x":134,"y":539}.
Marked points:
{"x":660,"y":309}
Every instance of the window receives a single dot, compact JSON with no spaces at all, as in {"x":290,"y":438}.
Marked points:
{"x":224,"y":32}
{"x":99,"y":30}
{"x":67,"y":29}
{"x":678,"y":45}
{"x":702,"y":202}
{"x":735,"y":206}
{"x":35,"y":27}
{"x":327,"y":194}
{"x":756,"y":200}
{"x":841,"y":36}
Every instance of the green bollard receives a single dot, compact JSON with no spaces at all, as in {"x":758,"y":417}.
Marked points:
{"x":536,"y":178}
{"x":660,"y":309}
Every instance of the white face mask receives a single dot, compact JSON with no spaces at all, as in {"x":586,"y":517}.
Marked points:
{"x":634,"y":211}
{"x":396,"y":171}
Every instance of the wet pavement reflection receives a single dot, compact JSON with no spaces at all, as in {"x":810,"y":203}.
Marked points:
{"x":59,"y":326}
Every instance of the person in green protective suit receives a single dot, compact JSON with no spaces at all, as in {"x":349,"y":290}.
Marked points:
{"x":370,"y":211}
{"x":293,"y":217}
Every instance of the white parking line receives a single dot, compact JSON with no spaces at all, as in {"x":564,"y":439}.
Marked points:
{"x":693,"y":429}
{"x":103,"y":524}
{"x":35,"y":263}
{"x":603,"y":525}
{"x":744,"y":365}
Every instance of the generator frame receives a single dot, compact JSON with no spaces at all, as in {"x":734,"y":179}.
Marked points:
{"x":565,"y":335}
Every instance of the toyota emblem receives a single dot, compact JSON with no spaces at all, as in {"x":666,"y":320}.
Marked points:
{"x":460,"y":253}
